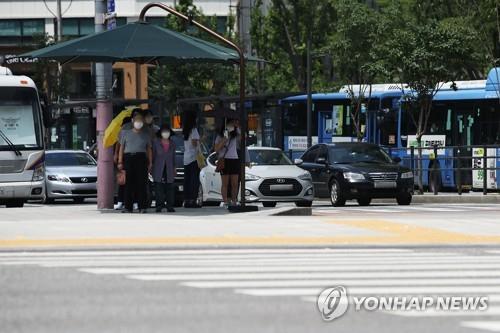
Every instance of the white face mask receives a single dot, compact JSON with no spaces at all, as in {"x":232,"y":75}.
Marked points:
{"x":230,"y":128}
{"x":138,"y":125}
{"x":165,"y":134}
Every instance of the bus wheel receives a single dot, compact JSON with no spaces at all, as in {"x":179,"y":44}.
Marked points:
{"x":435,"y":182}
{"x":17,"y":203}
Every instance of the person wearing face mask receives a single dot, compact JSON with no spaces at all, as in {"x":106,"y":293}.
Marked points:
{"x":191,"y":169}
{"x":164,"y":170}
{"x":226,"y":145}
{"x":135,"y":158}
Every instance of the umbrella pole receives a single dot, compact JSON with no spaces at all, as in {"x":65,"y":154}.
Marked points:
{"x":243,"y":111}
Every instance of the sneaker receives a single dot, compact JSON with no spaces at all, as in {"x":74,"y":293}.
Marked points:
{"x":118,"y":206}
{"x":224,"y":205}
{"x":135,"y":206}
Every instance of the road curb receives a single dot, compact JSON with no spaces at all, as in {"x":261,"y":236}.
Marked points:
{"x":465,"y":199}
{"x":293,"y":211}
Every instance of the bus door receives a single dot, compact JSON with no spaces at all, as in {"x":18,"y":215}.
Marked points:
{"x":325,"y":126}
{"x":463,"y":136}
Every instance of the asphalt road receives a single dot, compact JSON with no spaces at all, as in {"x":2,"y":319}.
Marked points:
{"x":240,"y":290}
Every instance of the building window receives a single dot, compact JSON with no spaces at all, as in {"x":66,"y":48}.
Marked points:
{"x":78,"y":26}
{"x":20,"y":31}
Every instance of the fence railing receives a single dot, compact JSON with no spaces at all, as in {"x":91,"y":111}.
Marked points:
{"x":462,"y":158}
{"x":433,"y":162}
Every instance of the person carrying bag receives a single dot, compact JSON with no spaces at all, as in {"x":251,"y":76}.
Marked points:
{"x":228,"y":163}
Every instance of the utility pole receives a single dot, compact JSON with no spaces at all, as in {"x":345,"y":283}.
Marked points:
{"x":104,"y":111}
{"x":59,"y":21}
{"x":309,"y":92}
{"x":244,"y":12}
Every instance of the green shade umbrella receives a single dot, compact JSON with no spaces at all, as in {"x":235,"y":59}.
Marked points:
{"x":139,"y":42}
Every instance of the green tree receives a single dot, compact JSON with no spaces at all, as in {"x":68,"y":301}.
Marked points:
{"x":280,"y":37}
{"x":424,"y":56}
{"x":177,"y":81}
{"x":354,"y":46}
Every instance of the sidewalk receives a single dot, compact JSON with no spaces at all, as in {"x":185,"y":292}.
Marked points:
{"x":447,"y":198}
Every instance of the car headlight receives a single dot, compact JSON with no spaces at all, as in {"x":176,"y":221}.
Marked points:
{"x":353,"y":176}
{"x":306,"y":176}
{"x":406,"y":175}
{"x":38,"y":173}
{"x":249,"y":177}
{"x":58,"y":178}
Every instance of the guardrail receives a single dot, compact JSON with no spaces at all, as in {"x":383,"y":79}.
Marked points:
{"x":412,"y":160}
{"x":457,"y":168}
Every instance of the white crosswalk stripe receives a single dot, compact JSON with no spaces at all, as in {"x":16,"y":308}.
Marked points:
{"x":302,"y":273}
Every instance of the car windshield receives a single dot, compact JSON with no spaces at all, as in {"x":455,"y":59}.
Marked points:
{"x":268,"y":157}
{"x":68,"y":159}
{"x":358,"y":153}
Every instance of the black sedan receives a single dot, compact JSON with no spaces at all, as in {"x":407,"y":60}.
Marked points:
{"x":361,"y":171}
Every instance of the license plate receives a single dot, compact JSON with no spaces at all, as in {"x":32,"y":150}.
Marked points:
{"x":181,"y":188}
{"x":285,"y":187}
{"x":385,"y":184}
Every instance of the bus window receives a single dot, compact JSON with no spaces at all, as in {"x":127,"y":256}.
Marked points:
{"x":295,"y":120}
{"x":487,"y":124}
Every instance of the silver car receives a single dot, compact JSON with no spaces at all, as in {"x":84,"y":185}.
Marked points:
{"x":70,"y":174}
{"x":271,"y":178}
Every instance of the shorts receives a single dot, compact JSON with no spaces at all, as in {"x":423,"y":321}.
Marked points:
{"x":231,"y":166}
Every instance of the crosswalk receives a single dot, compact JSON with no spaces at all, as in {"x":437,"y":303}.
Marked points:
{"x":394,"y":208}
{"x":302,"y":273}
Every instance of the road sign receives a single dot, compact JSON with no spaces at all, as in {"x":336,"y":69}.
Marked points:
{"x":111,"y":6}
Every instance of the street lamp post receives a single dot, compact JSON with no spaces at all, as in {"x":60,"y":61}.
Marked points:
{"x":243,"y":111}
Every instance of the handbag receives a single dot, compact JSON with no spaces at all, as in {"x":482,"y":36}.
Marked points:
{"x":200,"y":159}
{"x":121,"y":177}
{"x":221,"y":162}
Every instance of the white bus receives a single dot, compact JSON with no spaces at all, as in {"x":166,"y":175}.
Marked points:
{"x":22,"y":146}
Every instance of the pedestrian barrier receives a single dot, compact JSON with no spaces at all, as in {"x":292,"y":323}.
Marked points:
{"x":460,"y":168}
{"x":465,"y":167}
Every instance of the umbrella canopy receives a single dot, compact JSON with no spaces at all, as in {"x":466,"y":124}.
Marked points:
{"x":114,"y":127}
{"x":137,"y":42}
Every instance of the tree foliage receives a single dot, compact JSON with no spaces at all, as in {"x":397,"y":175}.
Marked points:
{"x":176,"y":81}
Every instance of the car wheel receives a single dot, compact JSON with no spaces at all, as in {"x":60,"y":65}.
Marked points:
{"x":16,"y":203}
{"x":269,"y":203}
{"x":404,"y":199}
{"x":303,"y":203}
{"x":336,"y":196}
{"x":78,"y":200}
{"x":364,"y":201}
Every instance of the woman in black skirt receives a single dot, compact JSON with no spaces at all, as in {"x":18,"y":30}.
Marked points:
{"x":226,"y":145}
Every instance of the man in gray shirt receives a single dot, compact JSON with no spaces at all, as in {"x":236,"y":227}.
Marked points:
{"x":135,"y":158}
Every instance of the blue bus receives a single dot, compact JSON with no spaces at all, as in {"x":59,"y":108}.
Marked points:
{"x":467,"y":115}
{"x":332,"y":121}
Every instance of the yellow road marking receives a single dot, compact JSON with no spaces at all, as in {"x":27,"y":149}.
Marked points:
{"x":404,"y":233}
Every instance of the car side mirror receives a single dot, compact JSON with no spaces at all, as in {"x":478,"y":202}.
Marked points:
{"x":298,"y":161}
{"x":396,"y":159}
{"x":321,"y":160}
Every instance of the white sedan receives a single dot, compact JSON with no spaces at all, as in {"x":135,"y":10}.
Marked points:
{"x":271,"y":178}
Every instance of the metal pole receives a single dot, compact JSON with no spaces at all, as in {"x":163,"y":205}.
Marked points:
{"x":243,"y":110}
{"x":59,"y":21}
{"x":434,"y":177}
{"x":309,"y":93}
{"x":485,"y":171}
{"x":104,"y":110}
